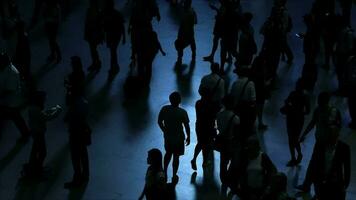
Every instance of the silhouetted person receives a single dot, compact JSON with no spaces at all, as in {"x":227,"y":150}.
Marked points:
{"x":255,"y":173}
{"x":155,"y":182}
{"x":52,"y":17}
{"x":10,"y":21}
{"x":324,"y":115}
{"x":205,"y":131}
{"x":286,"y":27}
{"x":244,"y":94}
{"x":37,"y":122}
{"x":229,"y":38}
{"x":343,"y":50}
{"x":79,"y":140}
{"x":212,"y":88}
{"x":258,"y":75}
{"x":277,"y":189}
{"x":171,"y":120}
{"x":247,"y":43}
{"x":186,"y":32}
{"x":217,"y":31}
{"x":11,"y":98}
{"x":75,"y":82}
{"x":36,"y":11}
{"x":94,"y":32}
{"x":331,"y":167}
{"x":296,"y":106}
{"x":22,"y":58}
{"x":311,"y":49}
{"x":114,"y":27}
{"x":351,"y":88}
{"x":324,"y":11}
{"x":142,"y":14}
{"x":228,"y":140}
{"x":273,"y":31}
{"x":146,"y":53}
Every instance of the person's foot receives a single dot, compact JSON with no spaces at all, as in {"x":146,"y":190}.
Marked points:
{"x":208,"y":58}
{"x":292,"y":163}
{"x":262,"y":127}
{"x":303,"y":188}
{"x":194,"y":165}
{"x":175,"y":180}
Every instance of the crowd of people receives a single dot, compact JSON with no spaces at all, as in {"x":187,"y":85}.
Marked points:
{"x":227,"y":121}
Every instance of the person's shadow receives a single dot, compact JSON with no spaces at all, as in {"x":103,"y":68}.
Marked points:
{"x":208,"y":189}
{"x":184,"y":79}
{"x":135,"y":104}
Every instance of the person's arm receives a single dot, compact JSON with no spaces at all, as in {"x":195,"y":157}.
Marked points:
{"x":310,"y":127}
{"x":143,"y":193}
{"x":160,"y":46}
{"x":307,"y":105}
{"x":161,"y":121}
{"x":187,"y":128}
{"x":347,"y":167}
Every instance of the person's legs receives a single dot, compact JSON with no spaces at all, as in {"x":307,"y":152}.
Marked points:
{"x":197,"y":150}
{"x":114,"y":66}
{"x":76,"y":160}
{"x":42,"y":150}
{"x":223,"y":54}
{"x":215,"y":47}
{"x":193,"y":48}
{"x":288,"y":52}
{"x":167,"y":160}
{"x":94,"y":55}
{"x":84,"y":158}
{"x":224,"y":161}
{"x":20,"y":123}
{"x":175,"y":164}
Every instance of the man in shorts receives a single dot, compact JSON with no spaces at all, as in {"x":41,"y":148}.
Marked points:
{"x":171,"y":120}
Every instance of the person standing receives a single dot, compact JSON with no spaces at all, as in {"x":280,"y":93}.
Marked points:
{"x":37,"y":122}
{"x":52,"y":17}
{"x":171,"y":120}
{"x":114,"y":28}
{"x":11,"y":97}
{"x":296,"y":106}
{"x":186,"y":32}
{"x":94,"y":33}
{"x":79,"y":140}
{"x":247,"y":43}
{"x":22,"y":58}
{"x":75,"y":82}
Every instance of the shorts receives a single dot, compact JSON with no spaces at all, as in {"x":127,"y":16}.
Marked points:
{"x":175,"y":147}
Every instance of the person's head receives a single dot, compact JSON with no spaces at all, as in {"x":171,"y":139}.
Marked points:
{"x":214,"y":67}
{"x":175,"y":99}
{"x":228,"y":102}
{"x":38,"y":98}
{"x":4,"y":60}
{"x":253,"y":148}
{"x":154,"y":158}
{"x":279,"y":182}
{"x":323,"y":99}
{"x":77,"y":65}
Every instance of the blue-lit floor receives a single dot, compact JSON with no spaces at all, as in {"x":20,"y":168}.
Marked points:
{"x":125,"y":129}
